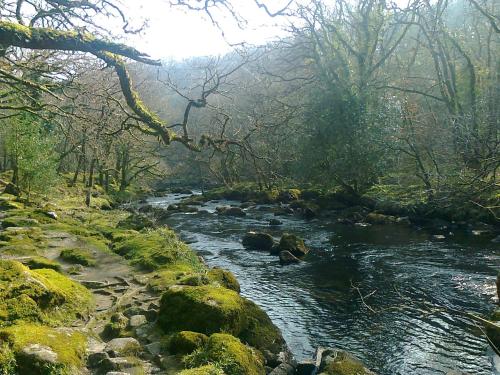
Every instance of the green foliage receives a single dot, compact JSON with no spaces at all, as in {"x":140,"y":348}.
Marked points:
{"x":7,"y":360}
{"x":32,"y":150}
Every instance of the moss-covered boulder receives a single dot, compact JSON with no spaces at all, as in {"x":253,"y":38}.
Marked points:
{"x":380,"y":219}
{"x":293,"y":244}
{"x":210,"y":309}
{"x":230,"y":354}
{"x":41,"y":350}
{"x":42,"y":295}
{"x":78,"y":256}
{"x":258,"y":241}
{"x":337,"y":362}
{"x":224,"y":278}
{"x":19,"y":221}
{"x":203,"y":370}
{"x":186,"y":342}
{"x":37,"y":262}
{"x":136,"y":222}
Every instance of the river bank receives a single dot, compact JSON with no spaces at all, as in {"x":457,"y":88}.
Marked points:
{"x":96,"y":290}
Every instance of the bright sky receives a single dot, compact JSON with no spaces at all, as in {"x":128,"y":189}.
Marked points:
{"x":179,"y":33}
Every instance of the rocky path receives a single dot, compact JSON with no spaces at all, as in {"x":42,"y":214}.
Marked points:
{"x":124,"y":307}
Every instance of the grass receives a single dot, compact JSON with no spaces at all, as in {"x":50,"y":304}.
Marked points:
{"x":78,"y":256}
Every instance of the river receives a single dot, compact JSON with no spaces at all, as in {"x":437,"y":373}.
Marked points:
{"x":415,"y":288}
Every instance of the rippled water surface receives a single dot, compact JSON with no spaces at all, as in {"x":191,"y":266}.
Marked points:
{"x":415,"y":289}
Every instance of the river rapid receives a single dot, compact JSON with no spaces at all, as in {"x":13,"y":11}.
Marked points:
{"x":415,"y":288}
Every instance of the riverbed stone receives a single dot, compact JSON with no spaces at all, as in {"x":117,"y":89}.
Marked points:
{"x":287,"y":257}
{"x":380,"y":219}
{"x":338,"y":362}
{"x":293,"y":244}
{"x":258,"y":241}
{"x":275,"y":222}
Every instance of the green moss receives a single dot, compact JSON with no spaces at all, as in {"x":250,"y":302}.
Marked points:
{"x":224,"y":278}
{"x":229,"y":354}
{"x":57,"y":298}
{"x":78,"y":256}
{"x":136,"y":222}
{"x":155,"y":249}
{"x":210,"y":309}
{"x":69,"y":345}
{"x":345,"y":364}
{"x":203,"y":370}
{"x":37,"y":262}
{"x":170,"y":275}
{"x":21,"y":241}
{"x":185,"y":342}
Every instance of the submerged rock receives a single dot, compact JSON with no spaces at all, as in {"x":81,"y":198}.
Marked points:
{"x":275,"y":222}
{"x":380,"y":219}
{"x":293,"y":244}
{"x":258,"y":241}
{"x":287,"y":257}
{"x":231,"y":211}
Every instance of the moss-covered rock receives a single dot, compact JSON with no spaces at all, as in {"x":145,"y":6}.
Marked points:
{"x":136,"y":222}
{"x":42,"y":295}
{"x":293,"y":244}
{"x":224,"y":278}
{"x":37,"y":262}
{"x":258,"y":241}
{"x":117,"y":327}
{"x":230,"y":354}
{"x":78,"y":256}
{"x":186,"y":342}
{"x":155,"y":249}
{"x":380,"y":219}
{"x":211,"y":309}
{"x":67,"y":346}
{"x":203,"y":370}
{"x":336,"y":362}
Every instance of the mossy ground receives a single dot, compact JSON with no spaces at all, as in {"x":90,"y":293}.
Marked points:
{"x":78,"y":256}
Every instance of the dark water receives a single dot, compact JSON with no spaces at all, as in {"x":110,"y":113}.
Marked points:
{"x":415,"y":289}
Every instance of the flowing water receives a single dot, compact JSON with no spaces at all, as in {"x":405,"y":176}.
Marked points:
{"x":415,"y":289}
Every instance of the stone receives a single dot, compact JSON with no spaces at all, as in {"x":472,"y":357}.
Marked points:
{"x":154,"y":348}
{"x":287,"y":257}
{"x":258,"y":241}
{"x":118,"y":364}
{"x":438,"y":237}
{"x":283,"y":369}
{"x":52,"y":215}
{"x":95,"y":359}
{"x":33,"y":358}
{"x":233,"y":211}
{"x":293,"y":244}
{"x":306,"y":367}
{"x":275,"y":222}
{"x":137,"y":320}
{"x":11,"y":189}
{"x":117,"y":373}
{"x":496,"y":239}
{"x":338,"y":362}
{"x":380,"y":219}
{"x":123,"y":346}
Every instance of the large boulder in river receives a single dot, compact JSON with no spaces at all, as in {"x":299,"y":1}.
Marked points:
{"x":293,"y":244}
{"x":231,"y":211}
{"x":258,"y":241}
{"x":208,"y":309}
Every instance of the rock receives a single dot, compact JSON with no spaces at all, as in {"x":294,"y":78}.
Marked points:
{"x":496,"y":239}
{"x":405,"y":220}
{"x":287,"y":257}
{"x":380,"y":219}
{"x":224,"y":278}
{"x":293,"y":244}
{"x":258,"y":241}
{"x":306,"y":367}
{"x":338,"y":362}
{"x":438,"y":237}
{"x":135,"y":222}
{"x":52,"y":215}
{"x":95,"y":359}
{"x":123,"y":346}
{"x":186,"y":342}
{"x":118,"y":364}
{"x":35,"y":358}
{"x":209,"y":309}
{"x":289,"y":195}
{"x":275,"y":222}
{"x":137,"y":320}
{"x":308,"y":213}
{"x":233,"y":211}
{"x":283,"y":369}
{"x":154,"y":348}
{"x":11,"y":189}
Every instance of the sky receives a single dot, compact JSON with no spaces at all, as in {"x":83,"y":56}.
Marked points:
{"x":178,"y":33}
